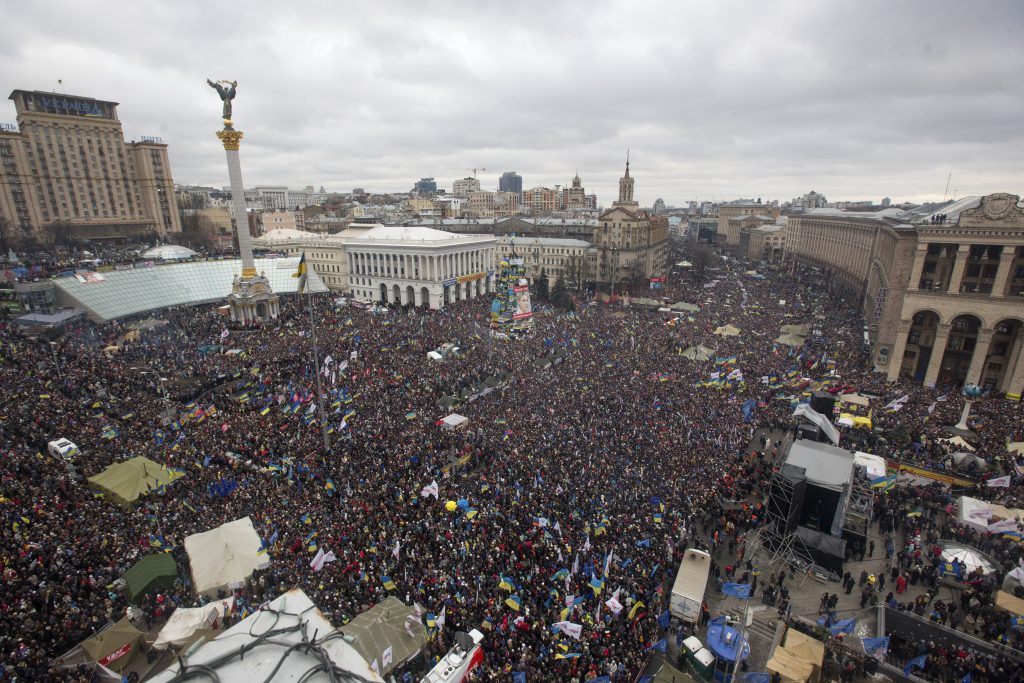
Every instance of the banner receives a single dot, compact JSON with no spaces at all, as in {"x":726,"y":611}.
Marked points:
{"x":469,"y":278}
{"x":929,"y":474}
{"x":523,"y":307}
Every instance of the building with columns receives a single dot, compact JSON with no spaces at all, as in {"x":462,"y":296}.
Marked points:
{"x":420,"y":266}
{"x":941,"y":286}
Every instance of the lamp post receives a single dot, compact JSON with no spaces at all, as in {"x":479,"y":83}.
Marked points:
{"x":615,"y":267}
{"x":56,"y":364}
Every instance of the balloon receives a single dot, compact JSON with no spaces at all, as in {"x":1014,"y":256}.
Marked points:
{"x":450,"y":506}
{"x":463,"y":503}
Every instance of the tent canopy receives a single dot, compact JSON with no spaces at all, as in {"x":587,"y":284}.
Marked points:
{"x":683,"y":306}
{"x":698,"y":353}
{"x":390,"y":624}
{"x":150,"y":574}
{"x":874,"y":464}
{"x":125,"y":482}
{"x":855,"y":399}
{"x":1016,"y":447}
{"x":1010,"y":603}
{"x":114,"y":647}
{"x":791,"y":668}
{"x":186,"y":621}
{"x":454,"y":420}
{"x":798,"y":330}
{"x":971,"y":558}
{"x":728,"y":331}
{"x":790,"y":340}
{"x":805,"y":411}
{"x":805,"y":647}
{"x":224,"y":557}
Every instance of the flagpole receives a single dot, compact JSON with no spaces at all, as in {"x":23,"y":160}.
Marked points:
{"x":316,"y":368}
{"x":743,"y":639}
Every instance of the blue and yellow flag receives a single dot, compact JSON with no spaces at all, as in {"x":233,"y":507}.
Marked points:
{"x":506,"y":583}
{"x":301,"y":273}
{"x":388,"y":583}
{"x":514,"y":602}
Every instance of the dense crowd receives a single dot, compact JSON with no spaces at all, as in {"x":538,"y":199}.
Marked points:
{"x":625,"y":454}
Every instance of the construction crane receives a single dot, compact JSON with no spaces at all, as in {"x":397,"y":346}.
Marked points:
{"x":474,"y":170}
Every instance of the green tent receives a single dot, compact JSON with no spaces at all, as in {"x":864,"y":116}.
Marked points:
{"x":390,"y":625}
{"x":698,"y":353}
{"x":125,"y":482}
{"x":151,"y":573}
{"x":683,"y":306}
{"x":798,"y":330}
{"x":115,"y":647}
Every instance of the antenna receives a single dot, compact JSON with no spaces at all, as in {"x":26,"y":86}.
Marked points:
{"x":948,"y":178}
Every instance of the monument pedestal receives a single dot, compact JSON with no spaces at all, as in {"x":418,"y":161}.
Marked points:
{"x":252,"y":299}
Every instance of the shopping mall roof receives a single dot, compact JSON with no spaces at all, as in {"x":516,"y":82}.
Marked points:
{"x":120,"y":293}
{"x":169,"y":252}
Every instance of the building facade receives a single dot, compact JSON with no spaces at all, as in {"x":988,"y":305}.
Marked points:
{"x":463,"y":186}
{"x":67,"y":173}
{"x":420,"y":266}
{"x":728,"y":234}
{"x":629,"y":246}
{"x":941,"y":286}
{"x":569,"y":261}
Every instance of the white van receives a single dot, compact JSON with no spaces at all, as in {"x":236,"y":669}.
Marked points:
{"x":62,"y":448}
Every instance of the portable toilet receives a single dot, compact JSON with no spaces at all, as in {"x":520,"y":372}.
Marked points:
{"x":691,"y":646}
{"x":703,"y":663}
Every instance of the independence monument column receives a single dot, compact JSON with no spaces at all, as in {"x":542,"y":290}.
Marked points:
{"x":251,"y":297}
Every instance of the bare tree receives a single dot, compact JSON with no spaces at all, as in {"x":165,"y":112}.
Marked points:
{"x":703,"y":258}
{"x":575,"y":275}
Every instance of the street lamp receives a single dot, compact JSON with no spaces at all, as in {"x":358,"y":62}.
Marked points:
{"x":56,"y":364}
{"x":615,"y":267}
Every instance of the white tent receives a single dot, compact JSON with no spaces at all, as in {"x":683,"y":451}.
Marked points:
{"x":454,"y":421}
{"x":225,"y":557}
{"x":186,"y":621}
{"x":875,"y":465}
{"x":974,"y":513}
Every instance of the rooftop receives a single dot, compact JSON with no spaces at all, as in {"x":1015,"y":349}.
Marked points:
{"x":121,"y":293}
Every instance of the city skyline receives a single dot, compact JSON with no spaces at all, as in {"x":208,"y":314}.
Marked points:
{"x":715,"y":102}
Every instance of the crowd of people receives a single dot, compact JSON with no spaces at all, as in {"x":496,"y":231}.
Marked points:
{"x":608,"y":465}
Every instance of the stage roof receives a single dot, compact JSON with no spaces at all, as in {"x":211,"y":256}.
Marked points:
{"x":826,"y":466}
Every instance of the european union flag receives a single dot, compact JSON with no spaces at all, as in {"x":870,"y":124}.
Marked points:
{"x":737,"y":590}
{"x":664,"y":618}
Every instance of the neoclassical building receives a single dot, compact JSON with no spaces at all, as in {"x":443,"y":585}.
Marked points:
{"x":941,"y":286}
{"x":420,"y":266}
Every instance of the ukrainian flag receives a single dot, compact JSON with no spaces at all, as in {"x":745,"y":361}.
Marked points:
{"x":265,"y":410}
{"x":410,"y":415}
{"x":658,"y":518}
{"x":596,"y":585}
{"x":560,"y":575}
{"x":301,"y":273}
{"x":329,"y":486}
{"x":388,"y":583}
{"x":514,"y":602}
{"x":506,"y":584}
{"x":431,"y":620}
{"x":305,"y":518}
{"x":569,"y":655}
{"x":471,"y":513}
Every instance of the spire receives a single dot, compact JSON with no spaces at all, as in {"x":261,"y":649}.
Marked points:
{"x":627,"y":162}
{"x":625,"y":187}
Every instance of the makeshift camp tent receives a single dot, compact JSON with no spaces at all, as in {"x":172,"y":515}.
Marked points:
{"x":727,"y":331}
{"x":454,"y":421}
{"x":798,"y":330}
{"x":855,"y":399}
{"x":1010,"y":603}
{"x":978,"y":514}
{"x":124,"y":482}
{"x":150,"y":574}
{"x":805,"y":647}
{"x":698,"y":353}
{"x":789,"y":340}
{"x":790,"y":667}
{"x":114,"y":647}
{"x":446,"y":402}
{"x":184,"y":622}
{"x":1015,"y":447}
{"x":683,"y":306}
{"x":1013,"y":578}
{"x":669,"y":674}
{"x":225,"y":557}
{"x":389,"y":627}
{"x":965,"y":459}
{"x":295,"y":620}
{"x":875,"y":465}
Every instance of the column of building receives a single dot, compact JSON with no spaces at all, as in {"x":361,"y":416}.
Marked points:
{"x":938,"y":351}
{"x":899,"y":348}
{"x":979,"y":356}
{"x":962,"y":251}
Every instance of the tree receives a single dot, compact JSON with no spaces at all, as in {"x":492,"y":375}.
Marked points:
{"x":576,"y":272}
{"x":543,"y":285}
{"x":703,"y":258}
{"x":561,"y":298}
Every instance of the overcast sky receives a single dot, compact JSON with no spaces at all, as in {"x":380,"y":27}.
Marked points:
{"x":714,"y":99}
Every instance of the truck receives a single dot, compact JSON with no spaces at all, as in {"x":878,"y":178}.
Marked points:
{"x":690,"y":584}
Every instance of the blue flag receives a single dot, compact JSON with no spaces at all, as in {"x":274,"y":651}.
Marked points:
{"x":660,"y":646}
{"x":876,"y":646}
{"x":664,"y":618}
{"x":518,"y":677}
{"x":916,"y":661}
{"x":844,"y":626}
{"x":757,"y":677}
{"x":967,"y":678}
{"x":737,"y":590}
